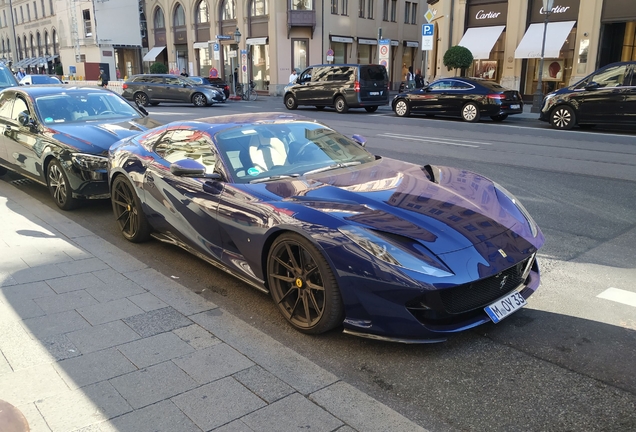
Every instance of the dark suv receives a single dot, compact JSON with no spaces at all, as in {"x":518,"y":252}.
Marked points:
{"x":608,"y":96}
{"x":151,"y":89}
{"x":341,"y":86}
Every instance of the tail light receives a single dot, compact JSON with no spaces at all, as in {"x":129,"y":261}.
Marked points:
{"x":227,"y":87}
{"x":356,"y":87}
{"x":496,"y":96}
{"x":124,"y":86}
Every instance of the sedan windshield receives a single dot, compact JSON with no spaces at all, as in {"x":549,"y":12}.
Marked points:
{"x":85,"y":106}
{"x":45,"y":79}
{"x":263,"y":152}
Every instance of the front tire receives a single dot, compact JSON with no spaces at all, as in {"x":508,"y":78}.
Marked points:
{"x":129,"y":215}
{"x":59,"y":186}
{"x":141,"y":98}
{"x":402,"y":108}
{"x":303,"y":285}
{"x":470,"y":112}
{"x":199,"y":100}
{"x":290,"y":102}
{"x":563,"y":117}
{"x":499,"y":118}
{"x":341,"y":105}
{"x":371,"y":109}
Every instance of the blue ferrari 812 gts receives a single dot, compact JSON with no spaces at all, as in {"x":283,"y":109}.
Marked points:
{"x":338,"y":236}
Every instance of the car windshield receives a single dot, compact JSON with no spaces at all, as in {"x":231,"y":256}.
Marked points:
{"x":45,"y":79}
{"x":6,"y":78}
{"x":85,"y":106}
{"x":263,"y":152}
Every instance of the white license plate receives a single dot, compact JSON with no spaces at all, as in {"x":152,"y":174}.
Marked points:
{"x":515,"y":106}
{"x":374,"y":93}
{"x":505,"y":306}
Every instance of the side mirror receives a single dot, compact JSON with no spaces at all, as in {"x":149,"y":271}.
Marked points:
{"x":191,"y":168}
{"x":141,"y":108}
{"x":360,"y":140}
{"x":25,"y":119}
{"x":592,"y":85}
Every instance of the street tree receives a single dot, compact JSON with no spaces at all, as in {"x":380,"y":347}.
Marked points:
{"x":458,"y":57}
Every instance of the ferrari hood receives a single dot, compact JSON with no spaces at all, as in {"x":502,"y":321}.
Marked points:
{"x":448,"y":211}
{"x":97,"y":137}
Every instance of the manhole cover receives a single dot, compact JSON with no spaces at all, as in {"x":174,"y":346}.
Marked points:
{"x":12,"y":420}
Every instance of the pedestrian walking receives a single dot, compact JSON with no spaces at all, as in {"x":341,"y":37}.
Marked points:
{"x":103,"y":79}
{"x":294,"y":76}
{"x":419,"y":79}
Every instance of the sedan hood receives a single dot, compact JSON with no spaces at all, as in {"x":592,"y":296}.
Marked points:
{"x":97,"y":137}
{"x":448,"y":211}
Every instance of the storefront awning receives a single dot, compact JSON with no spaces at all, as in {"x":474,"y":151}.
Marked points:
{"x":342,"y":39}
{"x":366,"y":41}
{"x":411,"y":44}
{"x":256,"y":41}
{"x":153,"y":53}
{"x":395,"y":43}
{"x":480,"y":40}
{"x":530,"y":45}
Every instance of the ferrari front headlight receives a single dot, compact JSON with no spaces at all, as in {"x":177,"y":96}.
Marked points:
{"x":392,"y":252}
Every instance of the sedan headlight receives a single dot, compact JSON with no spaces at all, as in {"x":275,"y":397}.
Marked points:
{"x":89,"y":162}
{"x":392,"y":252}
{"x":499,"y":189}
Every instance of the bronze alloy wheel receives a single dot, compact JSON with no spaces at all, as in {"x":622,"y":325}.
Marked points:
{"x":128,"y":213}
{"x":303,"y":285}
{"x":59,"y":186}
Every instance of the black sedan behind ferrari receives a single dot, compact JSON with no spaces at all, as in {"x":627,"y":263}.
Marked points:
{"x":59,"y":136}
{"x":468,"y":98}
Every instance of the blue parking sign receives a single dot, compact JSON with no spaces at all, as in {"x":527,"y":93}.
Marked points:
{"x":428,"y":29}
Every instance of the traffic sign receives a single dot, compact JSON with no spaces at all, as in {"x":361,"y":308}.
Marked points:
{"x":428,"y":32}
{"x":429,"y":15}
{"x":223,"y":37}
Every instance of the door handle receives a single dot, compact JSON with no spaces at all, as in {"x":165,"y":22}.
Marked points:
{"x":7,"y":129}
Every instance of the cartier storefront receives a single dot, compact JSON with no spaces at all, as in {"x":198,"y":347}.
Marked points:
{"x":485,"y":37}
{"x":560,"y":44}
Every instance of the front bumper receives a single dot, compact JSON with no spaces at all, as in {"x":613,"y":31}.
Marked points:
{"x":86,"y":184}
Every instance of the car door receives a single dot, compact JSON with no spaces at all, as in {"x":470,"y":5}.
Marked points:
{"x":456,"y":97}
{"x":6,"y":105}
{"x":432,"y":99}
{"x":629,"y":102}
{"x":304,"y":90}
{"x":24,"y":145}
{"x":601,"y":97}
{"x":184,"y":206}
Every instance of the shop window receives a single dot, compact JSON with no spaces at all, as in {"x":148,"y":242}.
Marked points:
{"x":260,"y":66}
{"x":339,"y":52}
{"x":86,"y":16}
{"x":364,"y":54}
{"x":300,"y":53}
{"x":490,"y":68}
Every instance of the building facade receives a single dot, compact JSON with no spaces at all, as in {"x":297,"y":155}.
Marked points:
{"x":278,"y":36}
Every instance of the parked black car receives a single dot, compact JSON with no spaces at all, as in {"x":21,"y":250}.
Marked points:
{"x":59,"y":136}
{"x":341,"y":86}
{"x":217,"y":83}
{"x":468,"y":98}
{"x":608,"y":96}
{"x":151,"y":89}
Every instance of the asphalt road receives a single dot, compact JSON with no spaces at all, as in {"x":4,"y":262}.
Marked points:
{"x":565,"y":362}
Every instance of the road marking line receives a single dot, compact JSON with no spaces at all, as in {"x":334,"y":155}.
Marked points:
{"x":430,"y":141}
{"x":167,"y":113}
{"x":452,"y":140}
{"x":620,"y":296}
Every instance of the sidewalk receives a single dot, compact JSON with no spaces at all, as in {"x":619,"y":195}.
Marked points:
{"x":94,"y":340}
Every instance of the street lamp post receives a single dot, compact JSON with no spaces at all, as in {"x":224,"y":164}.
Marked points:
{"x":537,"y":99}
{"x":237,"y":39}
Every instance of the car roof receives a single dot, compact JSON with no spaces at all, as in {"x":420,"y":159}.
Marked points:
{"x":218,"y":123}
{"x":50,"y":89}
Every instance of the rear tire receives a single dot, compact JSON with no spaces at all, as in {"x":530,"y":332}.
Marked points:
{"x":563,"y":117}
{"x":470,"y":112}
{"x":290,"y":102}
{"x":499,"y":118}
{"x":371,"y":109}
{"x":141,"y":98}
{"x":402,"y":108}
{"x":341,"y":105}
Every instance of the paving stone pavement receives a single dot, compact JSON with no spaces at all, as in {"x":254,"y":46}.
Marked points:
{"x":93,"y":340}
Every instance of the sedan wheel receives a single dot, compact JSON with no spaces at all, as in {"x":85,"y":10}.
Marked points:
{"x":199,"y":100}
{"x":59,"y":186}
{"x":563,"y":117}
{"x":402,"y":108}
{"x":128,"y":213}
{"x":470,"y":113}
{"x":290,"y":102}
{"x":303,"y":285}
{"x":341,"y":105}
{"x":141,"y":99}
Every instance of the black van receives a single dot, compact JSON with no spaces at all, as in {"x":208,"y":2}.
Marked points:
{"x":341,"y":86}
